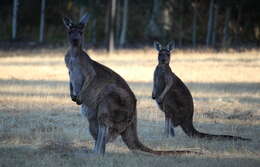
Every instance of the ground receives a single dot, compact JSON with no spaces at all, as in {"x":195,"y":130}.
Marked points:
{"x":41,"y":126}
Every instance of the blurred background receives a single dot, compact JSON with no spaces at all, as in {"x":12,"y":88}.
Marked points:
{"x":132,"y":23}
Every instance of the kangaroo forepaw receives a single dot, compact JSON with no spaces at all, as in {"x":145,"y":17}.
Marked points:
{"x":73,"y":98}
{"x":78,"y":102}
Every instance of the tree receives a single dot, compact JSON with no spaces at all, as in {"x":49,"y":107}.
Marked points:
{"x":43,"y":2}
{"x":210,"y":18}
{"x":194,"y":24}
{"x":118,"y":21}
{"x":124,"y":24}
{"x":213,"y":42}
{"x":14,"y":19}
{"x":181,"y":20}
{"x":111,"y":32}
{"x":225,"y":30}
{"x":181,"y":13}
{"x":153,"y":29}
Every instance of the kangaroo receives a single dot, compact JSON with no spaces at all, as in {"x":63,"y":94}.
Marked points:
{"x":175,"y":99}
{"x":105,"y":98}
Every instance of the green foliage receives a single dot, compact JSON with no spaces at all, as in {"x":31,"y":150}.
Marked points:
{"x":172,"y":20}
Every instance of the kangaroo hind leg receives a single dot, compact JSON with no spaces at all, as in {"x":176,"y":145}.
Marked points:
{"x":103,"y":125}
{"x":106,"y":133}
{"x":100,"y":144}
{"x":169,"y":127}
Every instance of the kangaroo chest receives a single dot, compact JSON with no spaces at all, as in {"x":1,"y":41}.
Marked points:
{"x":75,"y":73}
{"x":159,"y":79}
{"x":74,"y":67}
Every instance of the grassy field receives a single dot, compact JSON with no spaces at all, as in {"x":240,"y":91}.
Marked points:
{"x":41,"y":126}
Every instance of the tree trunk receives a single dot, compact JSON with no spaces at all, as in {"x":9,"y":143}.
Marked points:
{"x":238,"y":25}
{"x":210,"y":18}
{"x":194,"y":26}
{"x":181,"y":23}
{"x":118,"y":21}
{"x":215,"y":26}
{"x":152,"y":29}
{"x":111,"y":42}
{"x":42,"y":21}
{"x":14,"y":19}
{"x":81,"y":13}
{"x":225,"y":30}
{"x":107,"y":18}
{"x":124,"y":25}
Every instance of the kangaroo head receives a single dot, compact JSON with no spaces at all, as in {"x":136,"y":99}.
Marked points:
{"x":75,"y":30}
{"x":164,"y":55}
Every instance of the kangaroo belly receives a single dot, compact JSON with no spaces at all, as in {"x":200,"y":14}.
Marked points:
{"x":90,"y":95}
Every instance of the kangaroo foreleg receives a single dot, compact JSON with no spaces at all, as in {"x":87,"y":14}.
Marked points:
{"x":89,"y":76}
{"x":169,"y":83}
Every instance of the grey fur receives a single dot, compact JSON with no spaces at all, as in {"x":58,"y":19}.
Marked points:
{"x":107,"y":100}
{"x":84,"y":19}
{"x":157,"y":45}
{"x":170,"y":46}
{"x":67,"y":22}
{"x":175,"y":100}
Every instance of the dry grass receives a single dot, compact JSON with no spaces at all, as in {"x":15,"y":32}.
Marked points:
{"x":40,"y":126}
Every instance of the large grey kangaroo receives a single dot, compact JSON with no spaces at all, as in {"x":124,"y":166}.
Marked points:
{"x":175,"y":99}
{"x":107,"y":100}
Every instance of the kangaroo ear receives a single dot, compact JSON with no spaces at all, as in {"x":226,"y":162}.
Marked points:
{"x":157,"y":45}
{"x":84,"y":19}
{"x":170,"y":46}
{"x":67,"y":22}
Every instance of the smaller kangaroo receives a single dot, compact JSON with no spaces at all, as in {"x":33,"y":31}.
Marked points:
{"x":107,"y":101}
{"x":175,"y":99}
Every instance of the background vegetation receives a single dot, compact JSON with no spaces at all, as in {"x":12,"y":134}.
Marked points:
{"x":135,"y":23}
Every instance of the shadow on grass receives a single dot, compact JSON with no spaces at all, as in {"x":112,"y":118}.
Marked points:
{"x":229,"y":87}
{"x":235,"y":88}
{"x":18,"y":82}
{"x":27,"y":156}
{"x":31,"y":94}
{"x":50,"y":63}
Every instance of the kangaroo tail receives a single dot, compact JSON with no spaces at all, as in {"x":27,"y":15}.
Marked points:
{"x":189,"y":129}
{"x":130,"y":138}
